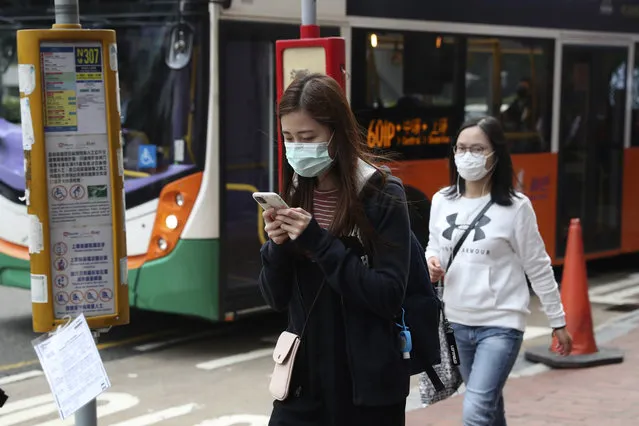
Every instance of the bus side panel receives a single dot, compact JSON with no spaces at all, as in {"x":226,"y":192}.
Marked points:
{"x":185,"y":282}
{"x":538,"y":173}
{"x":630,"y":201}
{"x":14,"y":272}
{"x":427,"y":176}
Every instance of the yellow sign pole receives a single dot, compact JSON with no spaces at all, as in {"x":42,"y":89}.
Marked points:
{"x":70,"y":116}
{"x":74,"y":173}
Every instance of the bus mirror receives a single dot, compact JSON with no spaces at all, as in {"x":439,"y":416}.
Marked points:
{"x":178,"y":55}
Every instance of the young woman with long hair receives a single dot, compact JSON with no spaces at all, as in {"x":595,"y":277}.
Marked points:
{"x":342,"y":297}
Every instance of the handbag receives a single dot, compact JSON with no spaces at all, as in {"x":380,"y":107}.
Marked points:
{"x":285,"y":353}
{"x":441,"y":381}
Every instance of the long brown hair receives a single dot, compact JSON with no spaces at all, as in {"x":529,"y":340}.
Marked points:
{"x":322,"y":98}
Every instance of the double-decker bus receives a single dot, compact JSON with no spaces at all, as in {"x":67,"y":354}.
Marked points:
{"x":198,"y":81}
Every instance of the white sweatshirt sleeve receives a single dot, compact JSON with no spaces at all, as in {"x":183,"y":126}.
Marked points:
{"x":531,"y":251}
{"x":432,"y":249}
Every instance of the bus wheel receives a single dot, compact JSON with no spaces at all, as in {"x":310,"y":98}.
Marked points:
{"x":419,"y":211}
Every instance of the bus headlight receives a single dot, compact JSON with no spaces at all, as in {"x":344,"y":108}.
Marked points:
{"x":171,"y":221}
{"x":179,"y":200}
{"x":162,"y":244}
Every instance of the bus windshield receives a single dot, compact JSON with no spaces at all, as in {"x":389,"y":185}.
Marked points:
{"x":155,"y":105}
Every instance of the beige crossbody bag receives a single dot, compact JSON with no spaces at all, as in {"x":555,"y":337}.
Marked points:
{"x":285,"y":353}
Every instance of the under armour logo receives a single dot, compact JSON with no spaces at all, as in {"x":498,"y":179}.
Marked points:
{"x":479,"y":234}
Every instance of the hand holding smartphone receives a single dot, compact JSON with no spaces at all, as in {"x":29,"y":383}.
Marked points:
{"x":270,"y":200}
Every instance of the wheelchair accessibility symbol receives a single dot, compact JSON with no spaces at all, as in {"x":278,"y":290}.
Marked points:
{"x":147,"y":157}
{"x":59,"y":193}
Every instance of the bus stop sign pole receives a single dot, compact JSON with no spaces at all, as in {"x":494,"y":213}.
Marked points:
{"x":74,"y":173}
{"x":67,"y":13}
{"x":310,"y":53}
{"x":309,"y":28}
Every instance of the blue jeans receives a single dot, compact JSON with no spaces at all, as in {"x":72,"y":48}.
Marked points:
{"x":486,"y":355}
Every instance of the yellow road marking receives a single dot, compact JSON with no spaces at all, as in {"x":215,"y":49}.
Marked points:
{"x":135,"y":339}
{"x":107,"y":345}
{"x":18,"y":365}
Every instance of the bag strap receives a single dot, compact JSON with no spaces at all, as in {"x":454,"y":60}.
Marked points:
{"x":466,"y":232}
{"x":440,"y":287}
{"x":434,"y":378}
{"x":310,"y":310}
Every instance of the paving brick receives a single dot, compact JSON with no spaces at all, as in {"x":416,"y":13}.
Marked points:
{"x":607,"y":395}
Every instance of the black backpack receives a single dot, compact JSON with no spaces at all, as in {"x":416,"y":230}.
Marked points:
{"x":422,"y":310}
{"x":421,"y":306}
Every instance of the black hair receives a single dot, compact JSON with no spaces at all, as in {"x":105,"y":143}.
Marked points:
{"x":503,"y":175}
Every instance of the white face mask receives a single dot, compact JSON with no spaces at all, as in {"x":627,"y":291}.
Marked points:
{"x":471,"y":168}
{"x":308,"y":159}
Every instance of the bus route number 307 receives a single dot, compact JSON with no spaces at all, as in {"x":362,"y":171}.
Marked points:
{"x":87,"y":55}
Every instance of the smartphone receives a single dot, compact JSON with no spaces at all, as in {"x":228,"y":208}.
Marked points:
{"x":270,"y":200}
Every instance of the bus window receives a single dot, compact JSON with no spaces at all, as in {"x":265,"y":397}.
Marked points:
{"x":512,"y":80}
{"x":409,"y":99}
{"x":155,"y":106}
{"x":154,"y":102}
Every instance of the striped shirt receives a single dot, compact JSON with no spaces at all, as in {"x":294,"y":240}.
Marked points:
{"x":324,"y":206}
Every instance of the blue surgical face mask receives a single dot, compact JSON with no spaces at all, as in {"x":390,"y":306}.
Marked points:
{"x":308,"y":159}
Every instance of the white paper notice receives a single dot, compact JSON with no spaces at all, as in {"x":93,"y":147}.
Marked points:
{"x":113,"y":56}
{"x":36,"y":238}
{"x":120,"y":161}
{"x":39,"y":293}
{"x":28,"y":139}
{"x":73,"y":367}
{"x":26,"y":78}
{"x":124,"y":271}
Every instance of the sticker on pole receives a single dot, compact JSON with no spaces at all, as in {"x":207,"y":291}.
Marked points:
{"x":26,"y":78}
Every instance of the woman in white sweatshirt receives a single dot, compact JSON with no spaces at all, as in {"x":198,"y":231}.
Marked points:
{"x":485,"y":291}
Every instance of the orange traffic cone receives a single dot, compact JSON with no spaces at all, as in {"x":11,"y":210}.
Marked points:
{"x":574,"y":296}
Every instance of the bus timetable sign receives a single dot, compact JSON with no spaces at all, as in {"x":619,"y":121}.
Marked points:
{"x":74,"y":177}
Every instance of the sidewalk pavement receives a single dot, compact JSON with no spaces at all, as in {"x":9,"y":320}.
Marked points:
{"x":607,"y":395}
